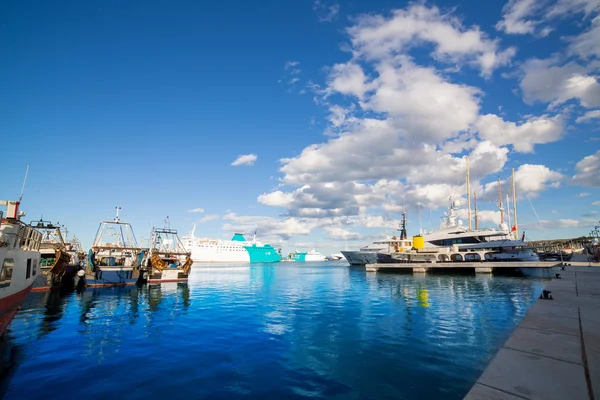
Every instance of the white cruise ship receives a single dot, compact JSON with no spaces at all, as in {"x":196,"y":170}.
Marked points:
{"x":238,"y":249}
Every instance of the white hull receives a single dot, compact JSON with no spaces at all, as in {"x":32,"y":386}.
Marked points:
{"x":314,"y":258}
{"x":15,"y":287}
{"x":360,"y":257}
{"x":219,"y":254}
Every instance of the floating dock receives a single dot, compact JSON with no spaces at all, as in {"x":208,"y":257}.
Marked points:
{"x":479,"y":267}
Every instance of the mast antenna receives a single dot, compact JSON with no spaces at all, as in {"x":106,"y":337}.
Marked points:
{"x":24,"y":180}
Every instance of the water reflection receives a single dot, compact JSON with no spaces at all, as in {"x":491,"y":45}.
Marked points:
{"x":286,"y":331}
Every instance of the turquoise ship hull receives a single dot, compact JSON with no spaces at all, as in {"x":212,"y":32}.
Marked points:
{"x":263,"y":254}
{"x":299,"y":256}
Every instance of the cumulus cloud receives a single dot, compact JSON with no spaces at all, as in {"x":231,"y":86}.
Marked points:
{"x":196,"y":210}
{"x":523,"y":137}
{"x":583,"y":194}
{"x":596,"y":203}
{"x":569,"y":81}
{"x":594,"y":114}
{"x":245,"y":159}
{"x":377,"y":37}
{"x":588,"y":171}
{"x":532,"y":179}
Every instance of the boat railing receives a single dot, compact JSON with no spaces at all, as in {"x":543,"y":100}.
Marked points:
{"x":22,"y":236}
{"x":171,"y":253}
{"x":117,"y":248}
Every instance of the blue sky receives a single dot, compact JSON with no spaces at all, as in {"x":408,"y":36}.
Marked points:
{"x":354,"y":111}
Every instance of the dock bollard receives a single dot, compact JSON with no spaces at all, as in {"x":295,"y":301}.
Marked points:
{"x":562,"y":268}
{"x":557,"y":276}
{"x":546,"y":295}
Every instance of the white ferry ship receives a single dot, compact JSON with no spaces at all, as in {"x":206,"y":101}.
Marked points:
{"x":238,"y":249}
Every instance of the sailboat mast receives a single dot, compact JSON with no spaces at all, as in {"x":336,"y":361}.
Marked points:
{"x":468,"y":195}
{"x":514,"y":193}
{"x":500,"y":205}
{"x":476,"y":217}
{"x":508,"y":212}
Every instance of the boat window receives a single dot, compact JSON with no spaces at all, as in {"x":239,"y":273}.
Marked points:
{"x":28,"y":268}
{"x":35,"y":267}
{"x":7,"y":270}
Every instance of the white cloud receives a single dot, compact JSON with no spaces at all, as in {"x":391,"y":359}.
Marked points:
{"x":378,"y":37}
{"x":291,"y":65}
{"x":560,"y":223}
{"x":207,"y":218}
{"x":531,"y":179}
{"x":245,"y":159}
{"x":596,"y":203}
{"x":326,"y":12}
{"x":569,"y":81}
{"x":422,"y":100}
{"x":523,"y":137}
{"x":583,"y":194}
{"x":515,"y":14}
{"x":587,"y":44}
{"x":337,"y":233}
{"x":588,"y":171}
{"x":348,"y":78}
{"x":594,"y":114}
{"x":196,"y":210}
{"x":526,"y":16}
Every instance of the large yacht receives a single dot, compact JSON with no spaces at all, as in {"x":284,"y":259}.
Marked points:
{"x":369,"y":254}
{"x":451,"y":233}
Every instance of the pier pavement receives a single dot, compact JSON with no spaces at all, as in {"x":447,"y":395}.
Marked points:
{"x":554,"y":353}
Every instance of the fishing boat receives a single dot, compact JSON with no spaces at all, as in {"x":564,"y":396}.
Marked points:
{"x":308,"y":256}
{"x":167,"y":260}
{"x":19,"y":261}
{"x":56,"y":266}
{"x":115,"y":258}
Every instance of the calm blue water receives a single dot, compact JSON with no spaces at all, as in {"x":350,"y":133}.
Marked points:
{"x":287,"y":331}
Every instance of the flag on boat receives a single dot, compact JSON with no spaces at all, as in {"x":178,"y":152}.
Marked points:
{"x":514,"y":229}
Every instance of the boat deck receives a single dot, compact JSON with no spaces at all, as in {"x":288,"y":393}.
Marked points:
{"x":479,"y":267}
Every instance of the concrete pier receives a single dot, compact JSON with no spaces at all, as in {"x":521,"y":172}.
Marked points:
{"x":478,"y":267}
{"x":554,"y":353}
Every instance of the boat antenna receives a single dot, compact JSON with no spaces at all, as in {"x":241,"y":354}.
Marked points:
{"x":23,"y":187}
{"x":476,"y":218}
{"x":468,"y":194}
{"x":403,"y":227}
{"x":117,"y":217}
{"x":514,"y":192}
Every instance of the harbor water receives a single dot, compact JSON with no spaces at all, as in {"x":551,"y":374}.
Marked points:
{"x":271,"y":331}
